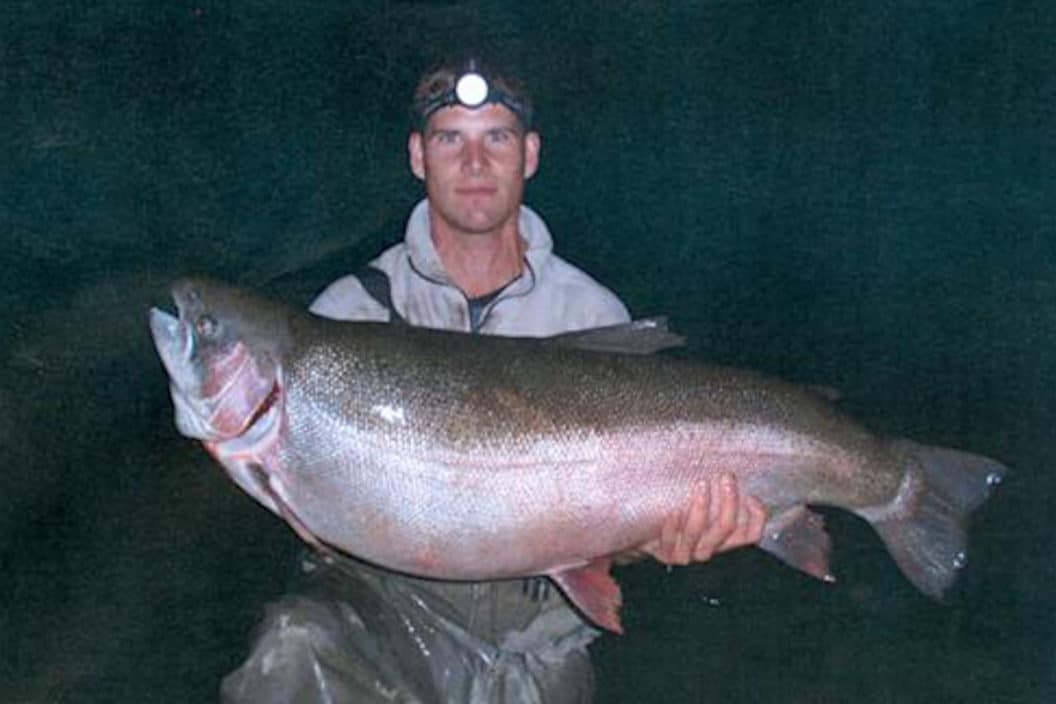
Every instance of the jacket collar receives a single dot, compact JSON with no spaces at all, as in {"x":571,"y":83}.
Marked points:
{"x":426,"y":261}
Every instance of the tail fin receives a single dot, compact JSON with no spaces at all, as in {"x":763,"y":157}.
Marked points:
{"x":924,"y":526}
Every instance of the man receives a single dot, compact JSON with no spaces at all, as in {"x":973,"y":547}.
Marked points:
{"x":473,"y":259}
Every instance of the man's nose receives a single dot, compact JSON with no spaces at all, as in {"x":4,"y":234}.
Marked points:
{"x":475,"y":158}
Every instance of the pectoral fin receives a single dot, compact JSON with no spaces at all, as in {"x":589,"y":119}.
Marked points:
{"x":594,"y":592}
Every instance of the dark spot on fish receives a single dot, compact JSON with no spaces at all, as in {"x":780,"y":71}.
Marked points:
{"x":514,"y":405}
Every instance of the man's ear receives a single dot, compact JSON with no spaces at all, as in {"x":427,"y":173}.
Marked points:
{"x":532,"y":145}
{"x":416,"y":155}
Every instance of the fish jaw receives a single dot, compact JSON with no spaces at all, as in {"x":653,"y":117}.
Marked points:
{"x":174,"y":342}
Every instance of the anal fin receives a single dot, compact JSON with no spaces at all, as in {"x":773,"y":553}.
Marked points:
{"x":798,"y":538}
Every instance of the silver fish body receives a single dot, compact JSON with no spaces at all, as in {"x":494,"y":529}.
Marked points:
{"x":463,"y":457}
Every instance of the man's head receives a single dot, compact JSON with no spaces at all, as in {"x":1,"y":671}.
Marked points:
{"x":473,"y":146}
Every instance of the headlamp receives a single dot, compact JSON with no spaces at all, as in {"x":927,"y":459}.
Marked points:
{"x":472,"y":89}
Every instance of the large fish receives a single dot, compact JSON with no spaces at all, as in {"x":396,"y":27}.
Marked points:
{"x":462,"y":457}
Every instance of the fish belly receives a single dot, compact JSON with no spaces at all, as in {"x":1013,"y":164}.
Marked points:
{"x":406,"y":501}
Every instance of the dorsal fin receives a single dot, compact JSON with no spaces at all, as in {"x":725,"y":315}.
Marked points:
{"x":643,"y":336}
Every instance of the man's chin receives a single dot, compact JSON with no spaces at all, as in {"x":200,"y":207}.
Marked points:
{"x":476,"y":223}
{"x":479,"y":230}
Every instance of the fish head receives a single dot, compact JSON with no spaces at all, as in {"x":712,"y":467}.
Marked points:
{"x":223,"y":353}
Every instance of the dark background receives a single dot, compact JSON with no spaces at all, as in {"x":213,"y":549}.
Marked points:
{"x":855,"y":194}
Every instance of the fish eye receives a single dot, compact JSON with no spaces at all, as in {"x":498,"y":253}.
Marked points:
{"x":206,"y":326}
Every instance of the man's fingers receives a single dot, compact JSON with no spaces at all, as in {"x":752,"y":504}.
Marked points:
{"x":669,"y":537}
{"x":718,"y":518}
{"x":696,"y":520}
{"x":692,"y":522}
{"x":723,"y":515}
{"x":751,"y":518}
{"x":756,"y":522}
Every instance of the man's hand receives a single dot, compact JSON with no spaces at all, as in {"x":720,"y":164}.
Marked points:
{"x":717,"y":519}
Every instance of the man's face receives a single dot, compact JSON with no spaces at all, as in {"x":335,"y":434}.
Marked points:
{"x":474,"y":164}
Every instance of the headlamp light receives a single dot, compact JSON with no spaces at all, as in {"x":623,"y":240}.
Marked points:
{"x":473,"y":90}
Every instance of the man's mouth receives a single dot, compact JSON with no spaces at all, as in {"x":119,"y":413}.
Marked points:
{"x":476,"y":191}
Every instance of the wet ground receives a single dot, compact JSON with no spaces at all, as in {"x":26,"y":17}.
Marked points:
{"x":860,"y":199}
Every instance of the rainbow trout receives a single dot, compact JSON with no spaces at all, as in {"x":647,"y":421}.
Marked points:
{"x":462,"y":457}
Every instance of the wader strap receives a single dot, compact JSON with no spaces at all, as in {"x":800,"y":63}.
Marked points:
{"x":376,"y":283}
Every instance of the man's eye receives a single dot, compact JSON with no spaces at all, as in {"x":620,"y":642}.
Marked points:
{"x":500,"y":137}
{"x":446,"y":137}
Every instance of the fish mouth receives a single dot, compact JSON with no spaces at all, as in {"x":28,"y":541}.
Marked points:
{"x":174,"y":335}
{"x":174,"y":340}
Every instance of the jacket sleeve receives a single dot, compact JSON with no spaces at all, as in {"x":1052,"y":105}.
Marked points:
{"x":346,"y":299}
{"x":605,"y":310}
{"x":588,"y":304}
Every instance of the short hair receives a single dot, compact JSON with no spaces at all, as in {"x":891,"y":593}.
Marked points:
{"x":436,"y":90}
